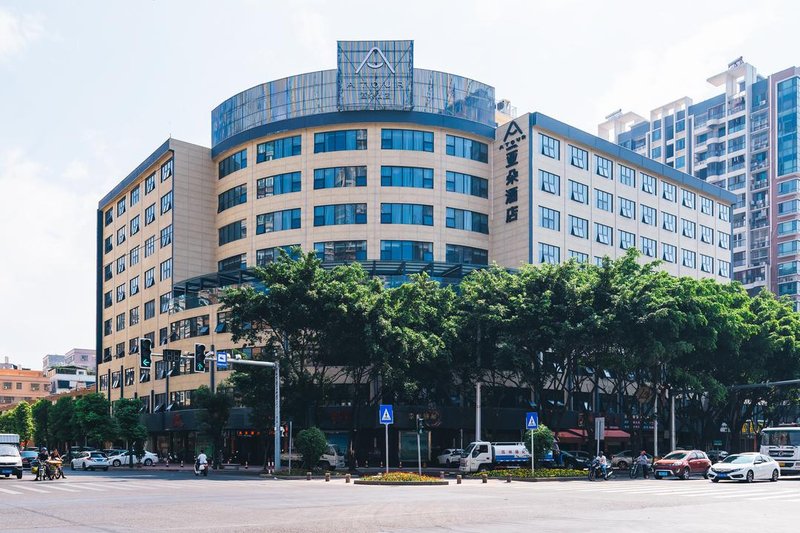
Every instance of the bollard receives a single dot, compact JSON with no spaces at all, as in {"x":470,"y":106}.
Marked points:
{"x":381,"y":464}
{"x":484,"y":477}
{"x":458,"y":479}
{"x":327,"y":476}
{"x":401,"y":464}
{"x":347,"y":478}
{"x":308,"y":476}
{"x":441,"y":474}
{"x":181,"y":464}
{"x":166,"y":465}
{"x":246,"y":466}
{"x":366,"y":463}
{"x":508,"y":478}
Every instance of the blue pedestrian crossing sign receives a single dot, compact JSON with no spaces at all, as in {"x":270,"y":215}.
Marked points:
{"x":531,"y":420}
{"x":386,"y":414}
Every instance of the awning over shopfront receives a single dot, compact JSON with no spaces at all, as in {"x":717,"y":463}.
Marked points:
{"x":579,"y":436}
{"x":617,"y":434}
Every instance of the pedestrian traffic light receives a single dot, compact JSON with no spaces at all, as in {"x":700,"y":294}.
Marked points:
{"x":199,"y":357}
{"x":145,"y":353}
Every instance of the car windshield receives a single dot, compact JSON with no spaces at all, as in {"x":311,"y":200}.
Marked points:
{"x":780,"y":438}
{"x":675,"y":456}
{"x":739,"y":459}
{"x":98,"y":455}
{"x":468,"y":451}
{"x":8,"y":449}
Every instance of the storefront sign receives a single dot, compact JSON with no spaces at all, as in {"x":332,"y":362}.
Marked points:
{"x":375,"y":75}
{"x":510,"y":145}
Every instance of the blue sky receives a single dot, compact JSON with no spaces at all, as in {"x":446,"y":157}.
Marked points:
{"x":89,"y":89}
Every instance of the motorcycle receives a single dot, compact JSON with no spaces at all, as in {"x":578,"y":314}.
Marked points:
{"x":51,"y":470}
{"x":201,"y":469}
{"x":596,"y":471}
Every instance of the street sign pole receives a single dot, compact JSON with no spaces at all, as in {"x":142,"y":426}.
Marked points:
{"x":386,"y":439}
{"x":599,"y":431}
{"x":419,"y":450}
{"x":386,"y":417}
{"x":531,"y":423}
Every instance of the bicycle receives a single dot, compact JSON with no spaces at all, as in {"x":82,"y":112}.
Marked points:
{"x":635,"y":468}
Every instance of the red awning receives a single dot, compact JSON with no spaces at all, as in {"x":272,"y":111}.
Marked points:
{"x":616,"y":434}
{"x":571,"y":436}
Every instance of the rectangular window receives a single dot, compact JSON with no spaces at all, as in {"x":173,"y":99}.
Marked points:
{"x":232,"y":197}
{"x":149,"y":277}
{"x":335,"y":177}
{"x":121,"y":265}
{"x":230,"y":232}
{"x":166,"y":170}
{"x":336,"y":141}
{"x":278,"y":149}
{"x":724,"y":240}
{"x":627,"y":176}
{"x":341,"y":250}
{"x":235,"y":262}
{"x":466,"y":255}
{"x":788,"y":228}
{"x":550,"y":147}
{"x":107,"y":300}
{"x":579,"y":227}
{"x":418,"y":214}
{"x":549,"y":254}
{"x":150,"y":183}
{"x":578,"y":157}
{"x":784,"y":208}
{"x":420,"y":178}
{"x":467,"y":220}
{"x":133,"y":316}
{"x":724,"y":268}
{"x":278,"y":221}
{"x":688,"y":198}
{"x":166,"y":236}
{"x":232,"y":163}
{"x":668,"y":191}
{"x":706,"y":234}
{"x":135,"y":225}
{"x":265,"y":256}
{"x":108,"y":244}
{"x":689,"y":258}
{"x":406,"y":251}
{"x":787,"y":187}
{"x":724,"y":212}
{"x":466,"y":184}
{"x":784,"y":248}
{"x":648,"y":183}
{"x":706,"y":206}
{"x":394,"y":139}
{"x":549,"y":182}
{"x":166,"y":270}
{"x":134,"y":285}
{"x":467,"y":148}
{"x":626,"y":240}
{"x":627,"y":208}
{"x":604,"y":167}
{"x":604,"y":200}
{"x":163,"y":302}
{"x":120,"y":323}
{"x":669,"y":253}
{"x":107,"y":329}
{"x":150,"y":214}
{"x":689,"y":228}
{"x":120,"y":235}
{"x":648,"y":247}
{"x":109,"y":217}
{"x":579,"y":192}
{"x":706,"y":263}
{"x":604,"y":234}
{"x":655,"y":153}
{"x":579,"y":257}
{"x":149,"y":309}
{"x":150,"y":246}
{"x":166,"y":202}
{"x":339,"y":214}
{"x":121,"y":207}
{"x":278,"y":184}
{"x":549,"y":219}
{"x":108,"y":272}
{"x":649,"y":215}
{"x":787,"y":269}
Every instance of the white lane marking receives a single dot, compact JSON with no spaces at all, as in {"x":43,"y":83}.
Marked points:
{"x":110,"y":485}
{"x":7,"y":491}
{"x":32,"y":489}
{"x":57,"y":487}
{"x":774,"y":496}
{"x":84,"y":486}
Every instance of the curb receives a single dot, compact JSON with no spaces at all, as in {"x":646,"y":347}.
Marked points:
{"x":534,"y":479}
{"x":399,"y":483}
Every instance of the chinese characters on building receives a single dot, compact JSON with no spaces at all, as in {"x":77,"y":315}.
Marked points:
{"x":510,"y":144}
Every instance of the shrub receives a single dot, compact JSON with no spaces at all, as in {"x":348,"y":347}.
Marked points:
{"x":400,"y":476}
{"x":538,"y":473}
{"x":311,"y":443}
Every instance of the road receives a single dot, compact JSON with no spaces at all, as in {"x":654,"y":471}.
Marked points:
{"x":144,"y":500}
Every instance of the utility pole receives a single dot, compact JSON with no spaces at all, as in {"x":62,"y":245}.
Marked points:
{"x":671,"y":420}
{"x":655,"y":424}
{"x":477,"y":411}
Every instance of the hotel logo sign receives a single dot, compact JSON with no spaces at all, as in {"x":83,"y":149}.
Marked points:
{"x":375,"y":75}
{"x":510,"y":145}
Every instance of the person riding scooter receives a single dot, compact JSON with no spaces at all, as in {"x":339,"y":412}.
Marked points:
{"x":644,"y":463}
{"x":201,"y":463}
{"x":42,"y":458}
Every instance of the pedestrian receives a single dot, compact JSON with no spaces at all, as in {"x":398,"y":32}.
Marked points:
{"x":559,"y":460}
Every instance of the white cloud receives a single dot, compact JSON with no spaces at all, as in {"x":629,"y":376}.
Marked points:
{"x":16,"y":33}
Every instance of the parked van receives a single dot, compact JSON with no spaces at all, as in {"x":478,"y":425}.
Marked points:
{"x":10,"y":459}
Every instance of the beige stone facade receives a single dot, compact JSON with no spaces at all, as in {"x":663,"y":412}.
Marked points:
{"x":18,"y":385}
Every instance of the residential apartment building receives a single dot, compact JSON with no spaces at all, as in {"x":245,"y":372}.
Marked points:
{"x":81,"y":357}
{"x":402,"y":169}
{"x":17,"y":385}
{"x":745,"y":140}
{"x":67,"y":378}
{"x":52,"y":360}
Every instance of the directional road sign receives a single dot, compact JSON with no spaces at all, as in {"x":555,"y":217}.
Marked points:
{"x":222,"y":360}
{"x":531,"y":420}
{"x":386,"y":414}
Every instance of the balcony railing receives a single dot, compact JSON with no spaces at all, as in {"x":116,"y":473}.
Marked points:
{"x":758,"y":126}
{"x":755,"y":165}
{"x":760,"y":184}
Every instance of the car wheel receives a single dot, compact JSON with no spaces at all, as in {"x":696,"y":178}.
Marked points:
{"x":148,"y":462}
{"x":85,"y":467}
{"x":749,"y":477}
{"x":622,"y":465}
{"x":705,"y":474}
{"x":775,"y":475}
{"x":72,"y":466}
{"x":19,"y":475}
{"x":116,"y":462}
{"x":685,"y":473}
{"x":714,"y":480}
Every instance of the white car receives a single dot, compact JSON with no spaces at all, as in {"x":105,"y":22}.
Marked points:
{"x":148,"y":459}
{"x":449,"y":457}
{"x":748,"y":467}
{"x":89,"y":461}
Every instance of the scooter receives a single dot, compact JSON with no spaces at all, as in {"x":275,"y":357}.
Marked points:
{"x":201,"y":469}
{"x":596,"y":471}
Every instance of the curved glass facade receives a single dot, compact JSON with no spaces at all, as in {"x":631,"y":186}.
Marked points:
{"x":316,"y":93}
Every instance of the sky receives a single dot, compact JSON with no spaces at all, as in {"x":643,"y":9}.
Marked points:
{"x":89,"y":89}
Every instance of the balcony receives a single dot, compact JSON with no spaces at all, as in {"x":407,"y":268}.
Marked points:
{"x":758,"y":126}
{"x":759,"y":145}
{"x":759,"y":184}
{"x":756,"y":165}
{"x":759,"y":204}
{"x":736,"y":105}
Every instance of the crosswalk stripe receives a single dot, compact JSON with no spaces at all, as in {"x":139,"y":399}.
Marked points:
{"x":32,"y":489}
{"x":83,"y":486}
{"x":110,"y":485}
{"x":774,"y":496}
{"x":8,"y":491}
{"x":58,"y":487}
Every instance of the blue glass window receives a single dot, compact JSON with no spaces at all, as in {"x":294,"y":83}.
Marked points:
{"x":166,"y":236}
{"x":669,"y":253}
{"x":278,"y":221}
{"x":150,"y":214}
{"x":334,"y":177}
{"x":689,"y":258}
{"x":549,"y":218}
{"x":669,"y":191}
{"x":549,"y":182}
{"x":604,"y":200}
{"x":626,"y":240}
{"x":669,"y":222}
{"x":466,"y":255}
{"x":150,"y":246}
{"x":135,"y":225}
{"x":417,"y":214}
{"x":232,"y":163}
{"x":467,"y":220}
{"x":550,"y":147}
{"x":649,"y":215}
{"x":627,"y":176}
{"x":135,"y":196}
{"x":109,"y":218}
{"x":265,"y":256}
{"x":689,"y":198}
{"x":627,"y":208}
{"x":467,"y":148}
{"x":787,"y":187}
{"x":149,"y":183}
{"x":166,"y":170}
{"x":149,"y":277}
{"x":604,"y":167}
{"x":338,"y":214}
{"x":421,"y":178}
{"x":603,"y":234}
{"x":232,"y":232}
{"x":341,"y":250}
{"x":648,"y":247}
{"x":232,"y":197}
{"x":467,"y":184}
{"x":278,"y":184}
{"x":166,"y":202}
{"x":578,"y":227}
{"x":166,"y":269}
{"x":420,"y":141}
{"x":579,"y":257}
{"x":648,"y":183}
{"x":335,"y":141}
{"x":579,"y":192}
{"x":706,"y":206}
{"x":406,"y":251}
{"x":578,"y":157}
{"x":278,"y":149}
{"x":549,"y":254}
{"x":234,"y":262}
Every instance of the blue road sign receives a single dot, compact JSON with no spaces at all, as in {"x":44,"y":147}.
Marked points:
{"x":222,"y":360}
{"x":531,"y":420}
{"x":386,"y":414}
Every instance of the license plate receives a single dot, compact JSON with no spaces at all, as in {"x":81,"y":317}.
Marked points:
{"x":5,"y":471}
{"x":720,"y":475}
{"x":662,"y":473}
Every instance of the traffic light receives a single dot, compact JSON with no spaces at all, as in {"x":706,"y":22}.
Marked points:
{"x":145,"y":351}
{"x":199,"y":357}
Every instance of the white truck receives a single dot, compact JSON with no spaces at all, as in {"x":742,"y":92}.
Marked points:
{"x":479,"y":456}
{"x":331,"y":459}
{"x":10,"y":460}
{"x":782,"y":443}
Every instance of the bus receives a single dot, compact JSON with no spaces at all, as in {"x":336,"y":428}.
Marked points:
{"x":782,"y":443}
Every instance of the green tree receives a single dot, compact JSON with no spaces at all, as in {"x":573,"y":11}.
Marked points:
{"x":23,"y":422}
{"x":93,"y":420}
{"x":7,"y":421}
{"x":311,"y":443}
{"x":129,"y":426}
{"x":61,"y":424}
{"x":543,"y":438}
{"x":41,"y":431}
{"x":216,"y":409}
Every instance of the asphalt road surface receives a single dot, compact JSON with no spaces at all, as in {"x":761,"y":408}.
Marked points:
{"x":177,"y":501}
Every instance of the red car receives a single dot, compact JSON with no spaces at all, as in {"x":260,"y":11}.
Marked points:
{"x":682,"y":464}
